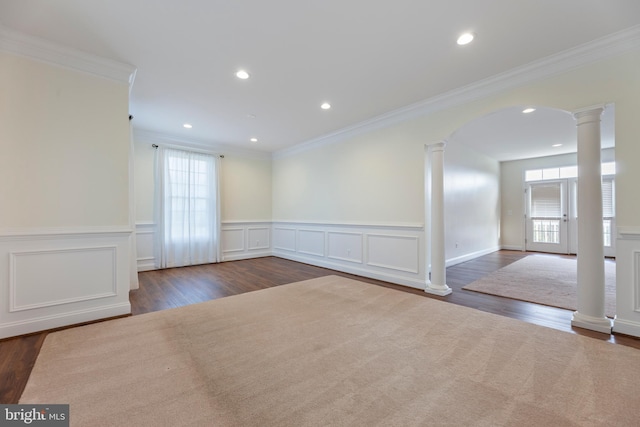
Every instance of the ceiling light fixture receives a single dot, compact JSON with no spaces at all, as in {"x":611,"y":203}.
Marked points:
{"x":254,"y":140}
{"x":557,"y":145}
{"x":465,"y":38}
{"x":187,"y":125}
{"x":528,"y":110}
{"x":325,"y":106}
{"x":242,"y":74}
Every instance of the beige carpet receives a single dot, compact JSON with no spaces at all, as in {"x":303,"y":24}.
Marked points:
{"x":333,"y":352}
{"x":544,"y":279}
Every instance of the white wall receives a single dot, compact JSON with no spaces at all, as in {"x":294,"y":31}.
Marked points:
{"x":64,"y":189}
{"x":472,"y":204}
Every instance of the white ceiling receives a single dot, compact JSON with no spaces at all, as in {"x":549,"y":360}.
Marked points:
{"x":509,"y":134}
{"x":366,"y":57}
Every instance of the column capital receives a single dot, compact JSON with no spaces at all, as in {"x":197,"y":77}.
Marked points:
{"x":436,"y":146}
{"x":588,"y":114}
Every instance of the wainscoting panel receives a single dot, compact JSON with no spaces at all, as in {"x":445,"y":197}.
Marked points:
{"x":245,"y":239}
{"x":389,"y":252}
{"x":145,"y":241}
{"x":345,"y":246}
{"x":55,"y":278}
{"x":233,"y":240}
{"x":627,"y":319}
{"x":259,"y":238}
{"x":394,"y":252}
{"x":39,"y":279}
{"x":284,"y":239}
{"x":238,"y":240}
{"x":311,"y":242}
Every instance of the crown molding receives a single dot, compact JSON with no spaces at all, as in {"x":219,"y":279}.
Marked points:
{"x":597,"y":50}
{"x":52,"y":53}
{"x":199,"y":144}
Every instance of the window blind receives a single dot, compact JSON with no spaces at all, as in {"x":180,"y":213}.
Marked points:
{"x":545,"y":200}
{"x":607,"y":198}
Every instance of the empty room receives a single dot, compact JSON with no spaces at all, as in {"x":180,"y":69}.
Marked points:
{"x":339,"y":213}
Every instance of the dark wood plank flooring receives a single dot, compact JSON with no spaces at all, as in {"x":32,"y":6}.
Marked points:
{"x":164,"y":289}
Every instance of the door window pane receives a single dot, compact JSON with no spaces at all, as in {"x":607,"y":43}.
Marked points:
{"x":546,"y":231}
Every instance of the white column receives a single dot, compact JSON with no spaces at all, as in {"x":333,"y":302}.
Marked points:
{"x":438,"y":283}
{"x":590,"y":313}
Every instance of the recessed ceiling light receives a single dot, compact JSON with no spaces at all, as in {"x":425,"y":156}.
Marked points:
{"x":528,"y":110}
{"x":187,"y":125}
{"x":325,"y":106}
{"x":465,"y":38}
{"x":242,"y":74}
{"x":254,"y":140}
{"x":557,"y":145}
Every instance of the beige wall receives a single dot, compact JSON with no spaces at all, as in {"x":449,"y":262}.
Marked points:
{"x":246,"y":187}
{"x":373,"y":178}
{"x":245,"y":183}
{"x":341,"y":182}
{"x":65,"y":147}
{"x":144,"y":177}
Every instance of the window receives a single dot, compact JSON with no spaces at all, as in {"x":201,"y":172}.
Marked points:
{"x":608,"y":168}
{"x":546,"y":216}
{"x":608,"y":213}
{"x":188,"y":208}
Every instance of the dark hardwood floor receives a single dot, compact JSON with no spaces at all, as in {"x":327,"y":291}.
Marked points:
{"x":176,"y":287}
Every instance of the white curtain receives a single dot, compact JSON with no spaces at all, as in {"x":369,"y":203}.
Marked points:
{"x":188,"y":207}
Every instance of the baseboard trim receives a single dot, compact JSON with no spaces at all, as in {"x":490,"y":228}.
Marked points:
{"x":65,"y":319}
{"x":239,"y":257}
{"x":511,"y":248}
{"x":385,"y":277}
{"x":468,"y":257}
{"x":626,"y":327}
{"x":147,"y":265}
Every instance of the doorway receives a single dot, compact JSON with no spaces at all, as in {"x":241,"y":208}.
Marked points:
{"x":551,"y":223}
{"x":547,"y":217}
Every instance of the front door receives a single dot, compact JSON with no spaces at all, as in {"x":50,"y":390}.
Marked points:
{"x":547,"y":216}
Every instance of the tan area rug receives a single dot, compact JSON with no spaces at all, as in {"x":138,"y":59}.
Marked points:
{"x":544,"y":279}
{"x":333,"y":352}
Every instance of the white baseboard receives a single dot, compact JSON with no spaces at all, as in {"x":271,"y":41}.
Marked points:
{"x":65,"y":319}
{"x":385,"y":277}
{"x":146,"y":264}
{"x":468,"y":257}
{"x":512,"y":248}
{"x":241,"y":256}
{"x":626,"y":327}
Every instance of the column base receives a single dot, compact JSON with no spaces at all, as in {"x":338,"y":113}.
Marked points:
{"x":440,"y":290}
{"x":597,"y":324}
